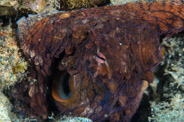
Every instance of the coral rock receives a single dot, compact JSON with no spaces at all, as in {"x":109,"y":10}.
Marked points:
{"x":76,"y":4}
{"x":12,"y":65}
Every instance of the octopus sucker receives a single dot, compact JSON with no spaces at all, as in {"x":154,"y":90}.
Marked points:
{"x":99,"y":61}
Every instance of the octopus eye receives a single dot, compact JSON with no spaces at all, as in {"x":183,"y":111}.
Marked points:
{"x":100,"y":58}
{"x":62,"y":87}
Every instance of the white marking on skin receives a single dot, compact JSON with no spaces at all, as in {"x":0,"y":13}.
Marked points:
{"x":125,"y":66}
{"x":25,"y":49}
{"x":31,"y":91}
{"x":87,"y":111}
{"x":74,"y":81}
{"x":38,"y":60}
{"x":85,"y":21}
{"x":105,"y":115}
{"x":32,"y":53}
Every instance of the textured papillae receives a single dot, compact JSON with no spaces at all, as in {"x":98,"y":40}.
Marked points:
{"x":109,"y":53}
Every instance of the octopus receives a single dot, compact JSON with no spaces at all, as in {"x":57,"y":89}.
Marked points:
{"x":95,"y":62}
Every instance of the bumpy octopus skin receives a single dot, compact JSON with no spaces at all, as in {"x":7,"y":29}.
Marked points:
{"x":109,"y":53}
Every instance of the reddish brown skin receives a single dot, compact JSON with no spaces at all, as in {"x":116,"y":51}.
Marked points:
{"x":127,"y":35}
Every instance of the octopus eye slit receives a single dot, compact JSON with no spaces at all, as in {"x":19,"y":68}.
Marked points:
{"x":100,"y":57}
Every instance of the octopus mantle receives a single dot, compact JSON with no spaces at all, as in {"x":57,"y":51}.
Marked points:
{"x":108,"y":52}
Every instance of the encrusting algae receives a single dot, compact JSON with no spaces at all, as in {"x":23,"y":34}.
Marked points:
{"x":12,"y":65}
{"x":76,"y":4}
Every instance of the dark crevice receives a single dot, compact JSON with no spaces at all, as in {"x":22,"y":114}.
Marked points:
{"x":52,"y":108}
